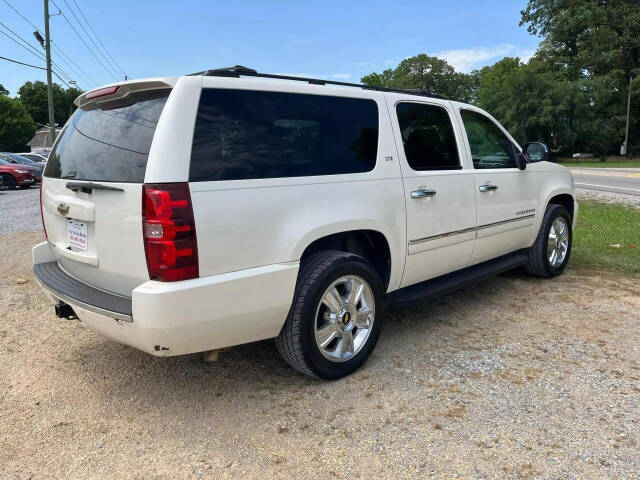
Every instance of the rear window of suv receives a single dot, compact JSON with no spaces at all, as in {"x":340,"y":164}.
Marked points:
{"x":108,"y":142}
{"x":243,"y":134}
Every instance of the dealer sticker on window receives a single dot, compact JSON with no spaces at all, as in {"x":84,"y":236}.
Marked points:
{"x":77,"y":234}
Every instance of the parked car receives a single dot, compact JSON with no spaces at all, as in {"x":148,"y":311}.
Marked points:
{"x":192,"y":213}
{"x":35,"y":157}
{"x":17,"y":175}
{"x":19,"y":159}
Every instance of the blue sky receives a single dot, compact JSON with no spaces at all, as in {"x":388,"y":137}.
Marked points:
{"x":331,"y":39}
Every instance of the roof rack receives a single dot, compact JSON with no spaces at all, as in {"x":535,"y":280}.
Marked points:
{"x":239,"y":71}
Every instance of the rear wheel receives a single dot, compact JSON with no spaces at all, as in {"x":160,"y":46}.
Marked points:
{"x":550,"y":253}
{"x":8,"y":182}
{"x":336,"y":316}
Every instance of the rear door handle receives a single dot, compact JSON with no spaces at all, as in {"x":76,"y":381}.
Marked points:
{"x":423,"y":193}
{"x":488,"y":188}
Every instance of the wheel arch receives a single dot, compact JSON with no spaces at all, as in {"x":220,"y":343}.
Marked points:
{"x":564,"y":199}
{"x":370,"y":243}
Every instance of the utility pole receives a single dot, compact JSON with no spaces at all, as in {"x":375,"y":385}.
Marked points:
{"x":626,"y":135}
{"x":47,"y":35}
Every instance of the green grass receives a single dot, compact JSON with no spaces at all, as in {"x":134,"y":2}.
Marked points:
{"x":601,"y":225}
{"x":616,"y":162}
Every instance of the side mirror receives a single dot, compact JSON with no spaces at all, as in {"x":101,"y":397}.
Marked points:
{"x":521,"y":160}
{"x":536,"y":151}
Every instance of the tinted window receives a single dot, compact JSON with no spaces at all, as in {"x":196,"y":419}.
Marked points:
{"x":490,"y":148}
{"x":34,"y":158}
{"x":110,"y":142}
{"x":427,"y":136}
{"x":244,"y":134}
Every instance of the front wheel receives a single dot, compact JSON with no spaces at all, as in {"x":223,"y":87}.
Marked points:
{"x":550,"y":253}
{"x":8,"y":182}
{"x":336,"y":316}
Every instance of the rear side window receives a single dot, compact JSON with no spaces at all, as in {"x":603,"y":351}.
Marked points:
{"x":243,"y":134}
{"x":110,"y":142}
{"x":427,"y":136}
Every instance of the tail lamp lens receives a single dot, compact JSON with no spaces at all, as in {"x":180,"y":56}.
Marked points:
{"x":169,"y":232}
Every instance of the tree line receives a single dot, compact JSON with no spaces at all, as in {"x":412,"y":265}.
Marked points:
{"x":20,"y":117}
{"x":571,"y":95}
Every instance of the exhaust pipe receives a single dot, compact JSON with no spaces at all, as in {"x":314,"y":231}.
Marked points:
{"x":65,"y":311}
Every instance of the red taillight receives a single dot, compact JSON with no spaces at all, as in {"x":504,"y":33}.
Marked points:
{"x":101,"y":92}
{"x":169,"y":232}
{"x":41,"y":212}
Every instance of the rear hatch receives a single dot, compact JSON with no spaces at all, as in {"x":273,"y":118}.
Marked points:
{"x":92,"y":187}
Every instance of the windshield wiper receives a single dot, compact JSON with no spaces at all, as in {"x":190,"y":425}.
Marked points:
{"x":88,"y":187}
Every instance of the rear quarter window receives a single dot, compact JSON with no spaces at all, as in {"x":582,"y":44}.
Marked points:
{"x":242,"y":134}
{"x":108,"y":142}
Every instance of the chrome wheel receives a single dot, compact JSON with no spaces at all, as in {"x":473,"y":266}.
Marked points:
{"x":344,"y":318}
{"x":558,"y":242}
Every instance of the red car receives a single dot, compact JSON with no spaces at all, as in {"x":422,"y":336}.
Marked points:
{"x":17,"y":175}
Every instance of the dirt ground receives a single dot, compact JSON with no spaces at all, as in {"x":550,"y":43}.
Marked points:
{"x":512,"y":378}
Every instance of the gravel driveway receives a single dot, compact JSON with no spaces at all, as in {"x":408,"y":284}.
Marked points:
{"x":20,"y":211}
{"x":512,"y":378}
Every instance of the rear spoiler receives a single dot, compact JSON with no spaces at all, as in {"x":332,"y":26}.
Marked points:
{"x":121,"y":90}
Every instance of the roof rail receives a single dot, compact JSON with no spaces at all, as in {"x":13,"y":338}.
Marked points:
{"x":239,"y":71}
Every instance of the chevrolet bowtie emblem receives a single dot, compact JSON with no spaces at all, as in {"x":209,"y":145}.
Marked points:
{"x":63,"y":209}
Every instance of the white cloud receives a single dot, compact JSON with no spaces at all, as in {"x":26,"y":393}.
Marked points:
{"x":466,"y":59}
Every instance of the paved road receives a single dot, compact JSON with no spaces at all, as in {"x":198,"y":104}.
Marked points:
{"x":20,"y":211}
{"x":616,"y":180}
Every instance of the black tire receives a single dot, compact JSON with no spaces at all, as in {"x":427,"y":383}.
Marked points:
{"x":24,"y":187}
{"x":538,"y":264}
{"x":8,"y":182}
{"x":296,"y":342}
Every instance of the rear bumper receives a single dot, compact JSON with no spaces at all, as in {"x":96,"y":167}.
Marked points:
{"x":175,"y":318}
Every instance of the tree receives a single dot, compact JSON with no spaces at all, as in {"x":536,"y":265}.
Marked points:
{"x":16,"y":126}
{"x":33,"y":96}
{"x":3,"y":91}
{"x":426,"y":73}
{"x":537,"y":102}
{"x":596,"y":36}
{"x":595,"y":43}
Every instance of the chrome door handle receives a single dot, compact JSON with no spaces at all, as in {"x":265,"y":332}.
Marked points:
{"x":488,"y":188}
{"x":423,"y":193}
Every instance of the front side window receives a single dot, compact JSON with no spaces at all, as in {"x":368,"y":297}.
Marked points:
{"x":246,"y":134}
{"x":490,"y":147}
{"x":427,"y":136}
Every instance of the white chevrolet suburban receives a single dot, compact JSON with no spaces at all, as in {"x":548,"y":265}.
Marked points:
{"x":192,"y":213}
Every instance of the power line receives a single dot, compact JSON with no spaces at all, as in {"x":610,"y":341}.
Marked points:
{"x":29,"y":47}
{"x":69,"y":61}
{"x":82,"y":40}
{"x":89,"y":36}
{"x":98,"y":38}
{"x":33,"y":66}
{"x":56,"y":74}
{"x":53,"y":44}
{"x":33,"y":50}
{"x":22,"y":63}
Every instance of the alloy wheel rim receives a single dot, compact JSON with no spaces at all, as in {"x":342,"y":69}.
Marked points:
{"x":558,"y":242}
{"x":344,"y":318}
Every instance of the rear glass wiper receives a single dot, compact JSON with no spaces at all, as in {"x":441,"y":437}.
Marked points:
{"x":88,"y":187}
